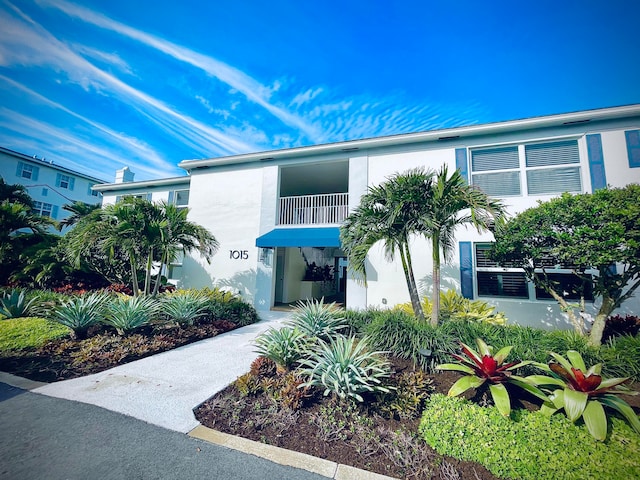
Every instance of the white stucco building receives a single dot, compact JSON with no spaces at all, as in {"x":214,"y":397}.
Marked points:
{"x":50,"y":185}
{"x":275,"y":213}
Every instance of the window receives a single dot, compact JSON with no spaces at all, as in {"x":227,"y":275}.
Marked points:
{"x":174,"y":272}
{"x":547,"y":168}
{"x":496,"y":281}
{"x":65,"y":181}
{"x":181,"y":198}
{"x":27,"y":171}
{"x":44,"y":209}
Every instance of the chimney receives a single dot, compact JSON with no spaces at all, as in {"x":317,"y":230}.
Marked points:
{"x":124,"y":175}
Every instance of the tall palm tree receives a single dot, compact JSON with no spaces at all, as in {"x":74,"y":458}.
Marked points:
{"x":78,"y":210}
{"x":14,"y":193}
{"x":387,"y":213}
{"x":179,"y":235}
{"x":448,"y":203}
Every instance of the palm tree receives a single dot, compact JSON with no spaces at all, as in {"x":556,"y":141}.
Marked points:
{"x":449,"y":202}
{"x":178,"y":235}
{"x":14,"y":193}
{"x":387,"y":213}
{"x":78,"y":210}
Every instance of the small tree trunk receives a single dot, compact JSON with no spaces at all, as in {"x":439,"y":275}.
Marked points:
{"x":147,"y":277}
{"x":134,"y":275}
{"x":435,"y":313}
{"x":405,"y":256}
{"x":578,"y":323}
{"x":156,"y":287}
{"x":608,"y":305}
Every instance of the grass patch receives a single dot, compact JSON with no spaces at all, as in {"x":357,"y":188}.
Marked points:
{"x":529,"y":445}
{"x":28,"y":332}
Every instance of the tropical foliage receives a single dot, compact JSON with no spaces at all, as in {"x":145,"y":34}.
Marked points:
{"x":285,"y":346}
{"x":14,"y":304}
{"x":126,"y":314}
{"x":185,"y":306}
{"x":482,"y":368}
{"x":81,"y":313}
{"x":345,"y":367}
{"x":318,"y":320}
{"x":584,"y":393}
{"x":583,"y":233}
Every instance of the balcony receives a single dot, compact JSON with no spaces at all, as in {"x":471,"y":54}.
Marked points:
{"x":328,"y":208}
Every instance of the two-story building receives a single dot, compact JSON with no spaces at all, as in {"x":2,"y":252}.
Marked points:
{"x":277,"y":214}
{"x":50,"y":185}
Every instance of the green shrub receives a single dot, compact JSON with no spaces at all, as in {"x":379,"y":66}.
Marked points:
{"x":126,"y":314}
{"x":81,"y":313}
{"x":318,"y":320}
{"x":28,"y":332}
{"x":284,"y":346}
{"x":184,"y":307}
{"x":529,"y":445}
{"x":14,"y":304}
{"x":407,"y":399}
{"x":357,"y":320}
{"x":345,"y":367}
{"x":235,"y":311}
{"x":620,"y":357}
{"x":403,"y":335}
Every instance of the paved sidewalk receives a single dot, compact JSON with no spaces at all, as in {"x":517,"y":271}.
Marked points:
{"x":163,"y":389}
{"x":45,"y":437}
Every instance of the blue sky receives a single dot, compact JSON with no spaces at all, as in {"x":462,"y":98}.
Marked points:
{"x":99,"y":85}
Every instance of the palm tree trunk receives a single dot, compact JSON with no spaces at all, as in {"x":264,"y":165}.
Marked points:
{"x":405,"y":256}
{"x":435,"y":245}
{"x":147,"y":277}
{"x":134,"y":275}
{"x":156,"y":286}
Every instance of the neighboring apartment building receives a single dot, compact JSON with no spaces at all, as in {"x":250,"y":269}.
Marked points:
{"x":275,"y":213}
{"x":51,"y":186}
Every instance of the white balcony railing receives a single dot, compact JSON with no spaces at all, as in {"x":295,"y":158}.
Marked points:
{"x":313,"y":209}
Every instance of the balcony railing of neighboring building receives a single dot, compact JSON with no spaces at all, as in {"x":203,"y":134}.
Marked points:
{"x":329,"y":208}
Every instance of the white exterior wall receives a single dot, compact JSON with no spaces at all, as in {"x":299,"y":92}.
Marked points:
{"x":228,"y":202}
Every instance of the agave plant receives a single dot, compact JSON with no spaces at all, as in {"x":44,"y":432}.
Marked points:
{"x":284,"y":346}
{"x":318,"y":320}
{"x":345,"y":367}
{"x":15,"y":305}
{"x":584,"y":393}
{"x":81,"y":313}
{"x":486,"y":368}
{"x":126,"y":314}
{"x":185,"y":306}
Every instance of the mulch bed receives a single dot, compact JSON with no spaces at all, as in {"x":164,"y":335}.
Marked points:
{"x":103,"y":349}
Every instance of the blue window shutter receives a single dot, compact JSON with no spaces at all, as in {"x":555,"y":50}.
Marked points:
{"x":19,"y":170}
{"x":466,"y":270}
{"x":34,"y":173}
{"x":170,"y":201}
{"x":149,"y":196}
{"x":58,"y":178}
{"x":461,"y":163}
{"x":72,"y":181}
{"x":596,"y":162}
{"x":633,"y":147}
{"x":54,"y":212}
{"x":45,"y":192}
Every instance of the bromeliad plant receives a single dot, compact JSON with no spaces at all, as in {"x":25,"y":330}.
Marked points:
{"x":485,"y":368}
{"x":318,"y":320}
{"x":81,"y":313}
{"x":583,"y":393}
{"x":14,"y":304}
{"x":284,"y":346}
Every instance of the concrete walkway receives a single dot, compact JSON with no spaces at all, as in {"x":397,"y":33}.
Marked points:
{"x":163,"y":389}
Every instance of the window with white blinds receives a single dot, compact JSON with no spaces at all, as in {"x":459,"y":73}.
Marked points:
{"x":496,"y":171}
{"x":547,"y":168}
{"x":496,"y":280}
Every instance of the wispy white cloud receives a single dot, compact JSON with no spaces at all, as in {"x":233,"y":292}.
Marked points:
{"x":69,"y":147}
{"x":238,"y":80}
{"x":305,"y":97}
{"x":27,"y":43}
{"x":112,"y":59}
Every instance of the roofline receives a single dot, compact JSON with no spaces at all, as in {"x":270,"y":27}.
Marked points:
{"x":40,"y":161}
{"x":108,"y":187}
{"x":418,"y":137}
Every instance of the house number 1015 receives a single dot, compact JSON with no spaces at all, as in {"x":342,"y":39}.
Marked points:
{"x":239,"y":254}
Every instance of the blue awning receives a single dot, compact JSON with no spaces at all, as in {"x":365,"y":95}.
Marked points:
{"x":300,"y":237}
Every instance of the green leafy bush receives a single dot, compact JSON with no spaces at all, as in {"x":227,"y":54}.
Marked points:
{"x":184,"y":307}
{"x":529,"y":445}
{"x":28,"y":332}
{"x":345,"y":367}
{"x":236,"y":311}
{"x":583,"y":393}
{"x":14,"y":304}
{"x":318,"y":320}
{"x":284,"y":346}
{"x":486,"y":368}
{"x":80,"y":313}
{"x":620,"y":357}
{"x":408,"y":396}
{"x":126,"y":314}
